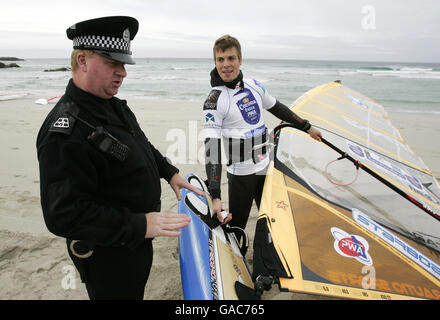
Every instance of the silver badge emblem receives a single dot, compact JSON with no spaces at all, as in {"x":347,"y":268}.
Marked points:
{"x":126,"y":35}
{"x":61,"y":123}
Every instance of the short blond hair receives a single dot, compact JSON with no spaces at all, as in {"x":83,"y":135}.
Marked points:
{"x":74,"y":55}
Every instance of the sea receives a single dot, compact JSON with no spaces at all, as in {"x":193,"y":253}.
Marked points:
{"x":402,"y":87}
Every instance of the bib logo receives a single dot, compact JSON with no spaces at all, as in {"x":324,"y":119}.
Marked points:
{"x":351,"y":246}
{"x":248,"y":106}
{"x":209,"y":117}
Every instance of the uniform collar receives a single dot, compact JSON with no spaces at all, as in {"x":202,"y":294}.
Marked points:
{"x":99,"y":108}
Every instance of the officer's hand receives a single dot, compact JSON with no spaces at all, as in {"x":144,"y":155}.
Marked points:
{"x":165,"y":224}
{"x":177,"y":183}
{"x":217,"y":209}
{"x":315,"y":133}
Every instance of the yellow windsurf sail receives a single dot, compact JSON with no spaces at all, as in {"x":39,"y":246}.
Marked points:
{"x":355,"y":218}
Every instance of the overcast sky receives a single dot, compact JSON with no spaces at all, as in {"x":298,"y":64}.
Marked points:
{"x":386,"y":30}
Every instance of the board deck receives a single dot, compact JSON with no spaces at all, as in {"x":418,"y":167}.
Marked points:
{"x":210,"y":259}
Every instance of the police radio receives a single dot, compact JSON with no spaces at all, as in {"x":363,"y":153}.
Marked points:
{"x":104,"y":141}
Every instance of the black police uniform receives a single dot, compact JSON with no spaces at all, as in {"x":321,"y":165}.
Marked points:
{"x":93,"y":196}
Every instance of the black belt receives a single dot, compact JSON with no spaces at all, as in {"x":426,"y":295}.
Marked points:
{"x":83,"y":249}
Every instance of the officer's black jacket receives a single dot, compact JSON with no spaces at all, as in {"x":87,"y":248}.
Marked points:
{"x":87,"y":194}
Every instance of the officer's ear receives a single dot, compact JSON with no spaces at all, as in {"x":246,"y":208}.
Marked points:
{"x":81,"y":60}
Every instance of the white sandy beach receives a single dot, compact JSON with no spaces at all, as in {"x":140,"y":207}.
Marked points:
{"x":32,"y":260}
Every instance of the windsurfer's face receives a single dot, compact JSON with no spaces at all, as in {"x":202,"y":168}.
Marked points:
{"x":228,"y":64}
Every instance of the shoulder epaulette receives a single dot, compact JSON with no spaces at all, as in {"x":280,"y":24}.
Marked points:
{"x":63,"y":120}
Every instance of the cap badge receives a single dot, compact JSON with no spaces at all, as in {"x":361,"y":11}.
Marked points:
{"x":126,"y":35}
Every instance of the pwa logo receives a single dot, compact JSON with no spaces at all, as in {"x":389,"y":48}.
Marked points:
{"x":351,"y":246}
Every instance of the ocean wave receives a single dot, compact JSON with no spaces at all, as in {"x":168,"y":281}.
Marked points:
{"x":416,"y":70}
{"x":396,"y":68}
{"x":400,"y":72}
{"x":161,"y":78}
{"x":410,"y":76}
{"x":185,"y":69}
{"x":377,"y":68}
{"x":313,"y":72}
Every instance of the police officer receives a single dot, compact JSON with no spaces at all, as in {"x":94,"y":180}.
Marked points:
{"x":99,"y":173}
{"x":234,"y":110}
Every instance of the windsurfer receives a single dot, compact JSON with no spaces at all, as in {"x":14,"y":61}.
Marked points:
{"x":233,"y":109}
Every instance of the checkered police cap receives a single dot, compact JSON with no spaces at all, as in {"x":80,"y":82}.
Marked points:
{"x":107,"y":36}
{"x":102,"y":42}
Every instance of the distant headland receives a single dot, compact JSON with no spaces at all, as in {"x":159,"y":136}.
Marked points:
{"x":11,"y":65}
{"x":10,"y":59}
{"x":58,"y":69}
